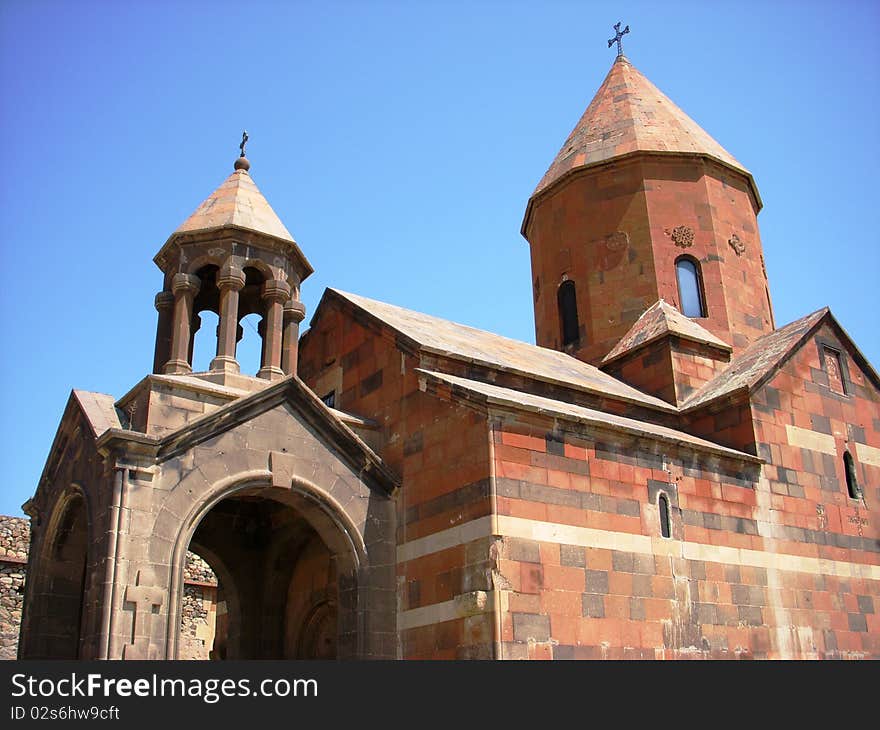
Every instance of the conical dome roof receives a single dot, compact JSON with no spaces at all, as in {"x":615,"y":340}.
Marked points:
{"x":236,"y":202}
{"x":629,"y":114}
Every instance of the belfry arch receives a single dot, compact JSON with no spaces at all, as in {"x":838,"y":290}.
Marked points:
{"x":287,"y":564}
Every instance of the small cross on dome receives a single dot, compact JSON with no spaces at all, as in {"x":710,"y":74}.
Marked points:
{"x":618,"y":34}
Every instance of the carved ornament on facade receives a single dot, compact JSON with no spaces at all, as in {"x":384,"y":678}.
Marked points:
{"x":736,"y":244}
{"x":617,"y":241}
{"x":682,"y":236}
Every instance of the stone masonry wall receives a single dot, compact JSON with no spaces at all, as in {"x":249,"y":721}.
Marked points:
{"x":588,"y":575}
{"x":805,"y":423}
{"x":441,"y":452}
{"x":200,"y":593}
{"x":15,"y":535}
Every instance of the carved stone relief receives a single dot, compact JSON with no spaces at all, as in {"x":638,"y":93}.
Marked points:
{"x":682,"y":236}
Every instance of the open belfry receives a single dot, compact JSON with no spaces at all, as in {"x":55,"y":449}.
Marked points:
{"x":666,"y":474}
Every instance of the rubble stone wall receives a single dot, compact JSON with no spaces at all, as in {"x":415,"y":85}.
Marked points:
{"x":15,"y":535}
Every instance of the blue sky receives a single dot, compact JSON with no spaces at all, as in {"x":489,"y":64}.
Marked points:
{"x":399,"y":142}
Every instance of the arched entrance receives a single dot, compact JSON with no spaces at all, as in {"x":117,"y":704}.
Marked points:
{"x":286,"y":577}
{"x":55,"y":614}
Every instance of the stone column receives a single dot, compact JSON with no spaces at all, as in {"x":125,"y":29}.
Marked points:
{"x":275,"y":293}
{"x":294,"y":312}
{"x":185,"y":288}
{"x":230,"y":283}
{"x":165,"y":307}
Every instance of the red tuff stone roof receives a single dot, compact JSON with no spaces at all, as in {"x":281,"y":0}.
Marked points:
{"x":468,"y":344}
{"x":497,"y":395}
{"x":759,"y":360}
{"x":237,"y":202}
{"x":629,"y":114}
{"x":658,"y":320}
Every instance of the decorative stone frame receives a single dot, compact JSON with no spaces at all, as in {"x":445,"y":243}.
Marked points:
{"x":656,"y":489}
{"x":822,"y":344}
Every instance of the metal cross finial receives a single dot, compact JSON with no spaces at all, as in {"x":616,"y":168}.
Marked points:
{"x":244,"y":139}
{"x":618,"y":34}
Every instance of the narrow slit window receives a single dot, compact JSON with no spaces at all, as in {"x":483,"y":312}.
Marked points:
{"x":568,"y":315}
{"x":690,"y":287}
{"x":664,"y":516}
{"x":330,"y":399}
{"x":849,"y":468}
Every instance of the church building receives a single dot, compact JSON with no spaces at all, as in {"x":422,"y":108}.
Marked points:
{"x":666,"y":474}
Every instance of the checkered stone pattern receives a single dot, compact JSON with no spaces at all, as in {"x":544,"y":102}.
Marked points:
{"x":736,"y":580}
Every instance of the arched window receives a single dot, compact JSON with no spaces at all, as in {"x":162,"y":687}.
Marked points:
{"x":204,"y":340}
{"x":852,"y":484}
{"x":249,"y":351}
{"x":663,"y":504}
{"x":566,"y":299}
{"x":690,"y":287}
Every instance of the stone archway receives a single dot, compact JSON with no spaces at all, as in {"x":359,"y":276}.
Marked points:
{"x":287,"y":572}
{"x":57,"y":584}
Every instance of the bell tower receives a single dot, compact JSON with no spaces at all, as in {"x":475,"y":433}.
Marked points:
{"x":232,"y":256}
{"x":642,"y":205}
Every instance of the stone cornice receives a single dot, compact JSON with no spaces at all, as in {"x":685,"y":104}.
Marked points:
{"x":231,"y":234}
{"x":632,"y":157}
{"x":360,"y":457}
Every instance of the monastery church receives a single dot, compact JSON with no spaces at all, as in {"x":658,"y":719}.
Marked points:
{"x":667,"y":473}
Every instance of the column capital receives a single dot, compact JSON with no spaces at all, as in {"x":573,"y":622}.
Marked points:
{"x":231,"y":278}
{"x":164,"y":300}
{"x":275,"y":291}
{"x":295,"y":310}
{"x":185,"y":283}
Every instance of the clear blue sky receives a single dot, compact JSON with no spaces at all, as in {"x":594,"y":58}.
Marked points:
{"x":399,"y":143}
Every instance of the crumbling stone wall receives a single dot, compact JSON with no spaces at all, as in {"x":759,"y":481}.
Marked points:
{"x":15,"y":535}
{"x":198,"y":571}
{"x":199,"y":611}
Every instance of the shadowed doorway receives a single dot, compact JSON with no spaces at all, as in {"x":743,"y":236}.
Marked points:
{"x":279,"y":584}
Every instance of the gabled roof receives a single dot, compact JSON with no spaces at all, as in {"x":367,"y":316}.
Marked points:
{"x":460,"y":342}
{"x":99,"y":410}
{"x":507,"y":397}
{"x":764,"y":356}
{"x":236,"y":202}
{"x":629,"y":114}
{"x":658,"y":320}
